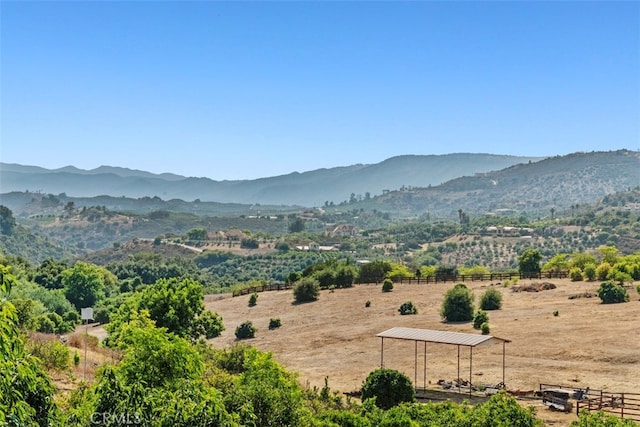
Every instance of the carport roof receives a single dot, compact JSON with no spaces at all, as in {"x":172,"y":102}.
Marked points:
{"x":442,"y":337}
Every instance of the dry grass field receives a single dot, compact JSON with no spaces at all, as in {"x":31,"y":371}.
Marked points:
{"x":586,"y":344}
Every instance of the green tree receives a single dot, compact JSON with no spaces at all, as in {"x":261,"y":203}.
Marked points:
{"x":7,"y":221}
{"x":389,"y":388}
{"x":197,"y":235}
{"x":407,"y":308}
{"x":557,"y":263}
{"x":491,"y":300}
{"x":155,"y":357}
{"x":49,"y":273}
{"x":26,"y":391}
{"x":457,"y":305}
{"x":345,"y":276}
{"x":84,"y":284}
{"x":480,"y":317}
{"x":374,"y":272}
{"x":253,"y":299}
{"x":580,"y":259}
{"x":265,"y":386}
{"x":297,"y":225}
{"x":529,"y":262}
{"x":177,"y":305}
{"x":575,"y":274}
{"x":590,"y":271}
{"x":611,"y":293}
{"x":609,"y":254}
{"x":306,"y":289}
{"x":245,"y":330}
{"x":603,"y":270}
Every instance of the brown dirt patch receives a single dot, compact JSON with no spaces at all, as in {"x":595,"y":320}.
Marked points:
{"x":587,"y":344}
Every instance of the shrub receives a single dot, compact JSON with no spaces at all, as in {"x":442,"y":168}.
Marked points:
{"x":368,"y":303}
{"x":76,"y":358}
{"x":575,"y":274}
{"x":387,"y":285}
{"x":485,"y":328}
{"x":245,"y":330}
{"x":589,"y":271}
{"x":389,"y":387}
{"x":480,"y":318}
{"x":620,"y":276}
{"x":491,"y":300}
{"x":611,"y":293}
{"x":408,"y":308}
{"x":556,"y":313}
{"x":253,"y":299}
{"x":638,"y":288}
{"x":457,"y":305}
{"x":274,"y":323}
{"x":602,"y":271}
{"x":52,"y":353}
{"x":306,"y":290}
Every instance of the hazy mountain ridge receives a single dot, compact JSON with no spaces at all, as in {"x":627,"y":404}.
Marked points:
{"x":556,"y":182}
{"x":311,"y":188}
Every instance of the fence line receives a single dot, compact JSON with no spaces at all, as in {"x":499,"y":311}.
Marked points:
{"x":622,"y":404}
{"x":425,"y":279}
{"x":483,"y":277}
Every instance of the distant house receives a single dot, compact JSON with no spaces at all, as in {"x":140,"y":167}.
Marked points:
{"x":509,"y":231}
{"x":341,"y":230}
{"x":313,"y":246}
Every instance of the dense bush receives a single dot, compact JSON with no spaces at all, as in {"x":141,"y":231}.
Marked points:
{"x":253,"y":299}
{"x":457,"y":305}
{"x":274,"y":323}
{"x":306,"y":290}
{"x":485,"y":328}
{"x":575,"y":274}
{"x":589,"y":271}
{"x":602,"y":271}
{"x":491,"y":300}
{"x":245,"y":330}
{"x":611,"y":293}
{"x":480,"y":318}
{"x":389,"y":387}
{"x":408,"y":308}
{"x":387,"y":285}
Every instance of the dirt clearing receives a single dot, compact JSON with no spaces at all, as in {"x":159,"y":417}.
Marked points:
{"x":586,"y":344}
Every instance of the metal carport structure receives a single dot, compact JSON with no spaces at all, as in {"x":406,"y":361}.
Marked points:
{"x":441,"y":337}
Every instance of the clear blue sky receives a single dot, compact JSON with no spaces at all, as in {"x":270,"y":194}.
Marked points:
{"x":241,"y":90}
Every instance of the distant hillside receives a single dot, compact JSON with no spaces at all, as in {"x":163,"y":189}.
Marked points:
{"x":312,"y":188}
{"x":556,"y":183}
{"x":19,"y":241}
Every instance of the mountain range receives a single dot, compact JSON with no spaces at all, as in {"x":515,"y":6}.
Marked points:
{"x":312,"y":188}
{"x":407,"y":185}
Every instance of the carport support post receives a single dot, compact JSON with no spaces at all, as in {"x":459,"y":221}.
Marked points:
{"x":415,"y":364}
{"x":458,"y":380}
{"x":470,"y":367}
{"x":504,"y":343}
{"x":381,"y":352}
{"x":424,"y":380}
